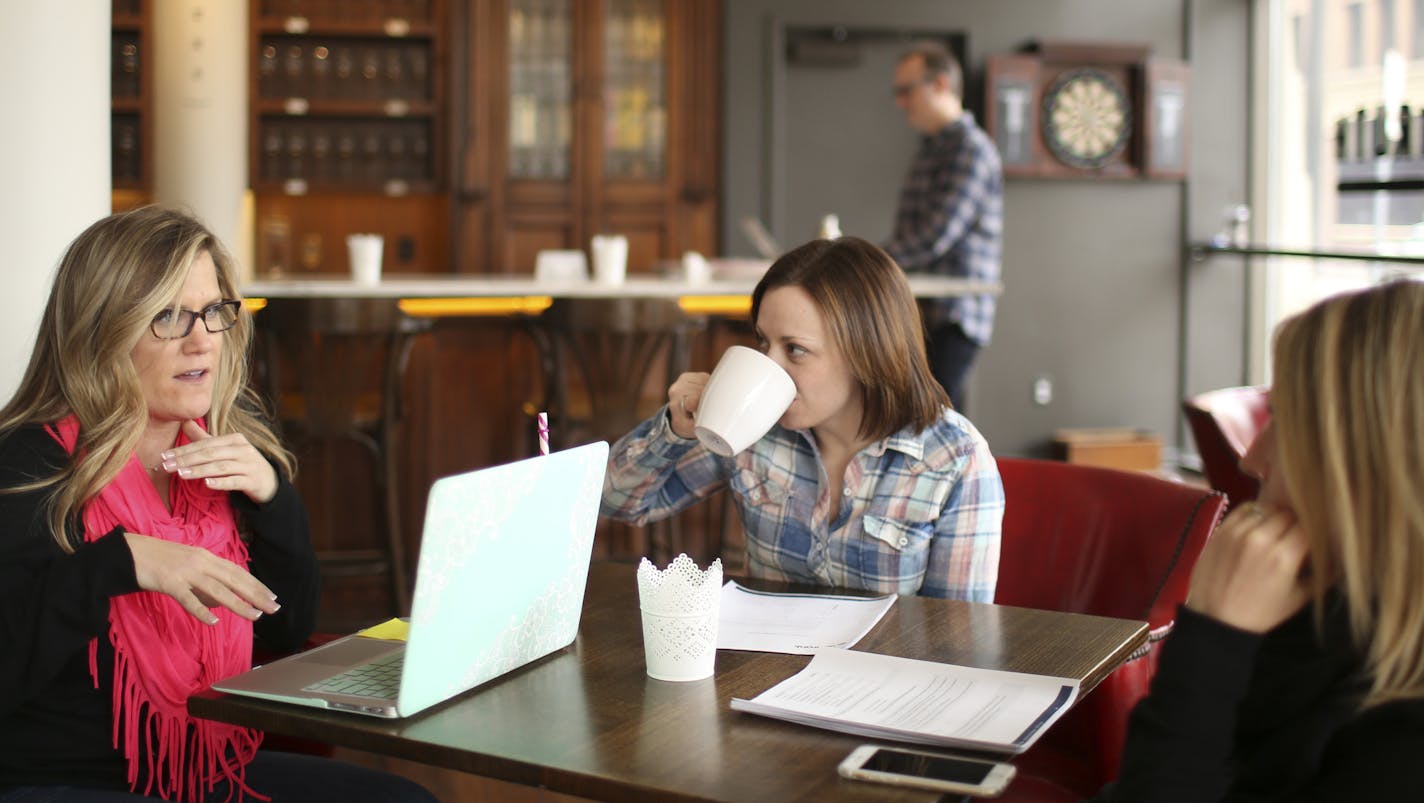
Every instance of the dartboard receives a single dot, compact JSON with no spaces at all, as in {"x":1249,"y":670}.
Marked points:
{"x":1087,"y":117}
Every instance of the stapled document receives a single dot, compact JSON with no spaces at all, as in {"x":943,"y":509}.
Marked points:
{"x":797,"y":624}
{"x":908,"y":700}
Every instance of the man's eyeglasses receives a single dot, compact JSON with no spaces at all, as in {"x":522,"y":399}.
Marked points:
{"x":904,"y":90}
{"x":219,"y":317}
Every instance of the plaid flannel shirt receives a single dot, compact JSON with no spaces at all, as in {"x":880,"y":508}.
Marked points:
{"x":920,"y":512}
{"x":950,"y":219}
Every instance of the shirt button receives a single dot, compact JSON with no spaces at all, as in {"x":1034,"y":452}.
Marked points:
{"x":904,"y":541}
{"x":845,"y":492}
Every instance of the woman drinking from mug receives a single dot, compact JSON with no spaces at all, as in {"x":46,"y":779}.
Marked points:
{"x":869,"y":480}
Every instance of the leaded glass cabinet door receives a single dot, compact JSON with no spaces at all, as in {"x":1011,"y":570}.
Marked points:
{"x":541,"y":108}
{"x":584,"y":117}
{"x":635,"y":117}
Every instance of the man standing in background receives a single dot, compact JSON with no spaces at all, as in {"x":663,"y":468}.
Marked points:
{"x":950,"y":217}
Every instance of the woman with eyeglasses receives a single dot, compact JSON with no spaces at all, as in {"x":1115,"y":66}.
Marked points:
{"x":148,"y":531}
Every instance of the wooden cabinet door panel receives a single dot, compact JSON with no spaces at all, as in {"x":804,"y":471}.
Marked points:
{"x":664,"y":198}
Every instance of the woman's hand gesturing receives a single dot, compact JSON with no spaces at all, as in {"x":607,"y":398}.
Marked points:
{"x":226,"y":463}
{"x":198,"y":579}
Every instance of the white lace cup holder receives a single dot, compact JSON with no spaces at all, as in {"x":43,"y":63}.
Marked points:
{"x":679,"y":606}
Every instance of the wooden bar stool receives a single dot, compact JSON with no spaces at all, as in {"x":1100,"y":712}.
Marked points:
{"x":333,"y":370}
{"x":607,"y":364}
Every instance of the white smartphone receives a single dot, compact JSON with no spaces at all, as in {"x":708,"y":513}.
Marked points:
{"x":937,"y":771}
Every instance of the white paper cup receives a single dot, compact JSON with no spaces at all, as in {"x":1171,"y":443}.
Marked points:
{"x":365,"y":251}
{"x":747,"y":393}
{"x":610,"y":258}
{"x":680,"y":607}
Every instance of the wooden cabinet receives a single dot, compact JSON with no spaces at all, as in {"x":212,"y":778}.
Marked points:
{"x":474,"y":133}
{"x":580,"y":117}
{"x":131,"y":104}
{"x":347,"y":130}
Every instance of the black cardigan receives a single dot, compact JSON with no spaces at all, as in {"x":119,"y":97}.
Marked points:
{"x":55,"y":726}
{"x":1235,"y":716}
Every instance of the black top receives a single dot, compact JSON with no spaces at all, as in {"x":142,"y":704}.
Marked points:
{"x":1243,"y":717}
{"x":54,"y":725}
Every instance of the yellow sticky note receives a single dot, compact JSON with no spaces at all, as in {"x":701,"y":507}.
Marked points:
{"x":392,"y":630}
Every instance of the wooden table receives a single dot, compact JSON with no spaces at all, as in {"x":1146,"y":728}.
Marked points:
{"x":588,"y":720}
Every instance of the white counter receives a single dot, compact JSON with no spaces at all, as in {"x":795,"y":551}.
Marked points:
{"x":505,"y":286}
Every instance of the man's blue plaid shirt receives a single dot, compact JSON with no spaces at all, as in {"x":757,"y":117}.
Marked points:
{"x":951,"y":218}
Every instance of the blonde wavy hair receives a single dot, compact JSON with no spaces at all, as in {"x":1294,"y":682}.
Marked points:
{"x":113,"y":279}
{"x":1348,"y":402}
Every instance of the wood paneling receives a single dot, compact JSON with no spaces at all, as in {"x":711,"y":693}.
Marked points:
{"x":311,"y":231}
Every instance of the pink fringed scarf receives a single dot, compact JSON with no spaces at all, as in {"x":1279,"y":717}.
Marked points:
{"x":161,"y":653}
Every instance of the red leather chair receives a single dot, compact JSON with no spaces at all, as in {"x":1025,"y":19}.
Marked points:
{"x":1224,"y":423}
{"x":1105,"y":542}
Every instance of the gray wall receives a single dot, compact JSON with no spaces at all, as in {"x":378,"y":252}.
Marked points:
{"x":1097,"y":296}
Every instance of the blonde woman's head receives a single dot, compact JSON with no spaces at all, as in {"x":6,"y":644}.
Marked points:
{"x":1348,"y":412}
{"x":113,"y":280}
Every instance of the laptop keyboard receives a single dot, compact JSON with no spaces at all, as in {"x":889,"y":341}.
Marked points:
{"x":379,"y":679}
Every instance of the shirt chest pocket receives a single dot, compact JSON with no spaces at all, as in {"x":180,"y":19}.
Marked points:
{"x":900,"y":535}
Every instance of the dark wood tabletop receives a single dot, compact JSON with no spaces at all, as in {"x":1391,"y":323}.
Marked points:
{"x":588,"y":721}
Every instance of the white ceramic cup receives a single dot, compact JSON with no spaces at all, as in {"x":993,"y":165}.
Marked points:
{"x":695,"y":268}
{"x":365,"y":251}
{"x":610,"y":258}
{"x":747,"y":393}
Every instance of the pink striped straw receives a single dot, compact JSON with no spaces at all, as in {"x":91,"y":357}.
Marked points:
{"x":543,"y":433}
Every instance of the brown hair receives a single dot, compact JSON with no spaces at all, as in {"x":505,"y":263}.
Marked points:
{"x":871,"y":313}
{"x":938,"y":60}
{"x":113,"y":279}
{"x":1348,"y":406}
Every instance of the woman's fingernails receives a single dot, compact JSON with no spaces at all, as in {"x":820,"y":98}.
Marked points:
{"x":166,"y":455}
{"x":169,"y":465}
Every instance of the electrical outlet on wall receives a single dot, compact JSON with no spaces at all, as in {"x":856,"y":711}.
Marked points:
{"x":1043,"y":390}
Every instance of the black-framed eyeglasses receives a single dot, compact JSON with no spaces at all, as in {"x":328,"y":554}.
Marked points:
{"x":904,"y":90}
{"x":171,"y":325}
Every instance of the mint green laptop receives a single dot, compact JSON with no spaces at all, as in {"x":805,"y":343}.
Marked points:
{"x":503,"y":564}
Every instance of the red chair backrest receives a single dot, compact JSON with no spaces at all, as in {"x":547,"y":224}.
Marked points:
{"x":1099,"y":541}
{"x":1224,"y":423}
{"x":1094,"y":540}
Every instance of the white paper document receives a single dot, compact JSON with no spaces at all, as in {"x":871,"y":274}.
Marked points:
{"x":798,"y":624}
{"x":924,"y":702}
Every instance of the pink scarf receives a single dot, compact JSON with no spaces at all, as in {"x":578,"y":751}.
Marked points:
{"x":161,"y":653}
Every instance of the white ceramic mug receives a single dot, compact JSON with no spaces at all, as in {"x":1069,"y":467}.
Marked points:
{"x":365,"y":251}
{"x":748,"y":392}
{"x":695,"y":268}
{"x":610,"y":258}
